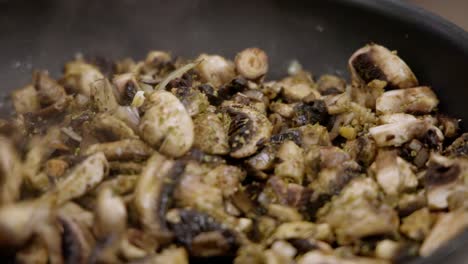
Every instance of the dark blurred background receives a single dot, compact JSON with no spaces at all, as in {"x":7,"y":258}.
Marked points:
{"x":453,"y":10}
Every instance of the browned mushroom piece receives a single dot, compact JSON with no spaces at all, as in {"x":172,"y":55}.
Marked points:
{"x":126,"y":149}
{"x":252,"y":63}
{"x":215,"y":69}
{"x":25,"y":100}
{"x":80,"y":76}
{"x":48,"y":90}
{"x":377,"y":62}
{"x":210,"y":135}
{"x":417,"y":100}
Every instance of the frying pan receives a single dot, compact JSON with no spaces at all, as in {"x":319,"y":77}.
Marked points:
{"x":321,"y":34}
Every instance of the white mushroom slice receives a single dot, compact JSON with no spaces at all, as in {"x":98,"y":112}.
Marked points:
{"x":396,"y":118}
{"x":394,"y":174}
{"x":77,"y":239}
{"x":284,"y":110}
{"x":396,"y":134}
{"x":48,"y":90}
{"x":325,"y":258}
{"x":215,"y":69}
{"x":447,"y":227}
{"x":109,"y":128}
{"x":167,"y":125}
{"x":127,"y":149}
{"x":443,"y":177}
{"x":248,"y":127}
{"x":154,"y":191}
{"x":291,"y":165}
{"x":419,"y":100}
{"x":337,"y":103}
{"x":377,"y":62}
{"x":297,"y":87}
{"x":111,"y":214}
{"x":330,"y":84}
{"x":19,"y":221}
{"x":356,"y":213}
{"x":83,"y":177}
{"x":251,"y":63}
{"x":81,"y":76}
{"x":25,"y":100}
{"x":210,"y":135}
{"x":102,"y":95}
{"x":417,"y":225}
{"x":11,"y":175}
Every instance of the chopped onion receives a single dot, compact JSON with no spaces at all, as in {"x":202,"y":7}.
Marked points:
{"x":72,"y":134}
{"x":138,"y":99}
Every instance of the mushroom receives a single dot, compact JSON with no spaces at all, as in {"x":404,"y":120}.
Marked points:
{"x":330,"y":84}
{"x":310,"y":113}
{"x":252,"y":63}
{"x":336,"y":103}
{"x":418,"y":224}
{"x":107,"y":127}
{"x":355,"y":213}
{"x":126,"y":149}
{"x":290,"y":162}
{"x":202,"y":234}
{"x":160,"y":126}
{"x":82,"y":178}
{"x":417,"y":100}
{"x":394,"y":174}
{"x":153,"y":194}
{"x":80,"y":76}
{"x":48,"y":90}
{"x":110,"y":214}
{"x":102,"y":96}
{"x":443,"y":177}
{"x":283,"y":109}
{"x":396,"y":134}
{"x":459,"y":147}
{"x":215,"y":69}
{"x":210,"y":135}
{"x":377,"y":62}
{"x":449,"y":126}
{"x":174,"y":255}
{"x":321,"y":257}
{"x":77,"y":241}
{"x":120,"y":184}
{"x":447,"y":226}
{"x":296,"y":88}
{"x":126,"y":86}
{"x":25,"y":100}
{"x":129,"y":115}
{"x":247,"y":129}
{"x":11,"y":176}
{"x":34,"y":252}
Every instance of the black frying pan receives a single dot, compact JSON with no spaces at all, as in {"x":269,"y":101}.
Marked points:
{"x":322,"y":34}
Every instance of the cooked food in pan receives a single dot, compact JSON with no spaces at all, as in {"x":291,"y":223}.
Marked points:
{"x":161,"y":160}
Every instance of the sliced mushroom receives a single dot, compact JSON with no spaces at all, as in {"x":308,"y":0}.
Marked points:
{"x":247,"y":129}
{"x":129,"y":115}
{"x":110,"y":128}
{"x":161,"y":125}
{"x":215,"y":69}
{"x":377,"y":62}
{"x":291,"y":162}
{"x":225,"y":177}
{"x":102,"y":96}
{"x":459,"y":147}
{"x":11,"y":176}
{"x":25,"y":100}
{"x":356,"y":213}
{"x":202,"y":234}
{"x":284,"y":110}
{"x":127,"y":86}
{"x":194,"y":101}
{"x":81,"y":179}
{"x":302,"y":230}
{"x":336,"y":103}
{"x":396,"y":118}
{"x":126,"y":149}
{"x":210,"y":135}
{"x":80,"y":76}
{"x":417,"y":100}
{"x":410,"y":202}
{"x":447,"y":226}
{"x":443,"y":177}
{"x":310,"y":113}
{"x":394,"y":174}
{"x":330,"y":84}
{"x":19,"y":221}
{"x":396,"y":134}
{"x":449,"y":126}
{"x":153,"y":194}
{"x":137,"y":244}
{"x":263,"y":160}
{"x":319,"y":257}
{"x":110,"y":213}
{"x":417,"y":225}
{"x":48,"y":90}
{"x":363,"y":150}
{"x":77,"y":241}
{"x":252,"y":63}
